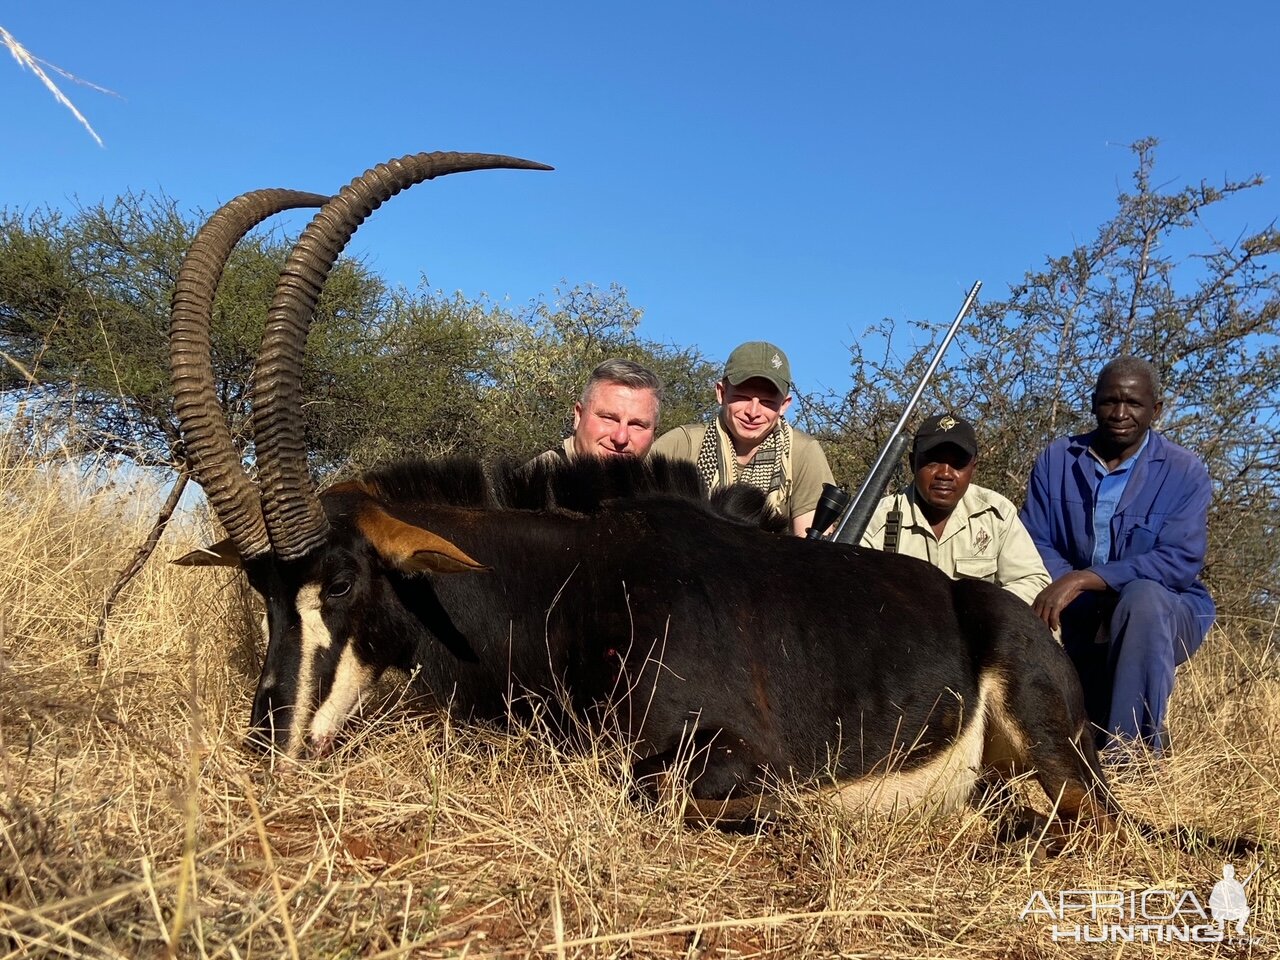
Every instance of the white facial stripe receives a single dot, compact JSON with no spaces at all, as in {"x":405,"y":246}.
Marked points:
{"x":346,"y":695}
{"x":315,"y":637}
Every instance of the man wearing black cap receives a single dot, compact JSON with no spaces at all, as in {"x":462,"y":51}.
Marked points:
{"x":965,"y":530}
{"x":751,"y":442}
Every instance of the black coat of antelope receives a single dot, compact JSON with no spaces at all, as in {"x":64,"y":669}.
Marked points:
{"x":729,"y":658}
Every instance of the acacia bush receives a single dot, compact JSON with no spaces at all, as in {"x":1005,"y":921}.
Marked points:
{"x":392,"y":372}
{"x":84,"y":314}
{"x":1153,"y":282}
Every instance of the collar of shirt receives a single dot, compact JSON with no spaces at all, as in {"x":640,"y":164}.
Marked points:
{"x":974,"y":501}
{"x":1100,"y":468}
{"x":1106,"y":498}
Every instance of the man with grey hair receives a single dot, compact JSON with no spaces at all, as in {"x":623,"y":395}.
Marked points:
{"x":617,"y":414}
{"x":1120,"y":518}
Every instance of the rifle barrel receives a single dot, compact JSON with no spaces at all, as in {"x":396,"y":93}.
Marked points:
{"x":854,"y":522}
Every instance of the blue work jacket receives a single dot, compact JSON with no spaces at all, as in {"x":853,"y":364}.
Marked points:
{"x":1159,"y":530}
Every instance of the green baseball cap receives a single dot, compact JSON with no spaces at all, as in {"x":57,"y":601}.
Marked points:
{"x":759,"y":359}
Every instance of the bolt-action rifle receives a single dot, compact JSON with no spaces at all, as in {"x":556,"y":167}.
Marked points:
{"x":855,"y":514}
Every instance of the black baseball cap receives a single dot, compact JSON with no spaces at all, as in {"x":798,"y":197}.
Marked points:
{"x":944,"y":428}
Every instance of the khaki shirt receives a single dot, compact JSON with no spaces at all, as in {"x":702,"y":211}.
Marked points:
{"x":561,"y":454}
{"x":809,"y":466}
{"x":983,"y":540}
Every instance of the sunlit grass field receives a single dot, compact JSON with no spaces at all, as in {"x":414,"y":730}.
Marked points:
{"x":133,"y":823}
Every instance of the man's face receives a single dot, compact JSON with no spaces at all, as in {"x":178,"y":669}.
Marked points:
{"x":616,"y":420}
{"x":943,"y":475}
{"x":750,"y":410}
{"x":1124,"y":408}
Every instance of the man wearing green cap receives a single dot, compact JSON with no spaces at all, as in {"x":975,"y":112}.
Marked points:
{"x":751,"y":442}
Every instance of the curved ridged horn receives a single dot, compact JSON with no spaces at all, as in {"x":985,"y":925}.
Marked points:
{"x":295,"y":519}
{"x":201,"y":421}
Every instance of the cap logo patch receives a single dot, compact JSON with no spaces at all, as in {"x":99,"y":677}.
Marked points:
{"x":776,"y":361}
{"x":946,"y":423}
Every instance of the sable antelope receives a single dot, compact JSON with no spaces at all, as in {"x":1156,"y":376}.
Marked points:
{"x":729,"y":658}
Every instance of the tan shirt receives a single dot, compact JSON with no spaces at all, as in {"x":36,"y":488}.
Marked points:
{"x":561,"y":454}
{"x":983,"y":540}
{"x":809,"y":468}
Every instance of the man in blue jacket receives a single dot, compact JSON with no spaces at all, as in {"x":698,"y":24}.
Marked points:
{"x":1119,"y":516}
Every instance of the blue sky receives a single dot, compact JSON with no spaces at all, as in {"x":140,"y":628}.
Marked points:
{"x":789,"y":172}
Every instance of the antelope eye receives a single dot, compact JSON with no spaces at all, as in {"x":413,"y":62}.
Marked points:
{"x":339,"y":588}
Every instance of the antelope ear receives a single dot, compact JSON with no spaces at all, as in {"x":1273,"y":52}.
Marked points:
{"x":221,"y":554}
{"x":411,"y":548}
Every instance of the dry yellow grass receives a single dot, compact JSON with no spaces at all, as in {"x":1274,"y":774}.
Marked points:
{"x":133,"y":824}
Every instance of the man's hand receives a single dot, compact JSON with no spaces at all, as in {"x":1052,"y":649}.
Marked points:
{"x":1057,"y":596}
{"x":800,"y":525}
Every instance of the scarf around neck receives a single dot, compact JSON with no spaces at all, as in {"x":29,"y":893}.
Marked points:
{"x":769,"y":469}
